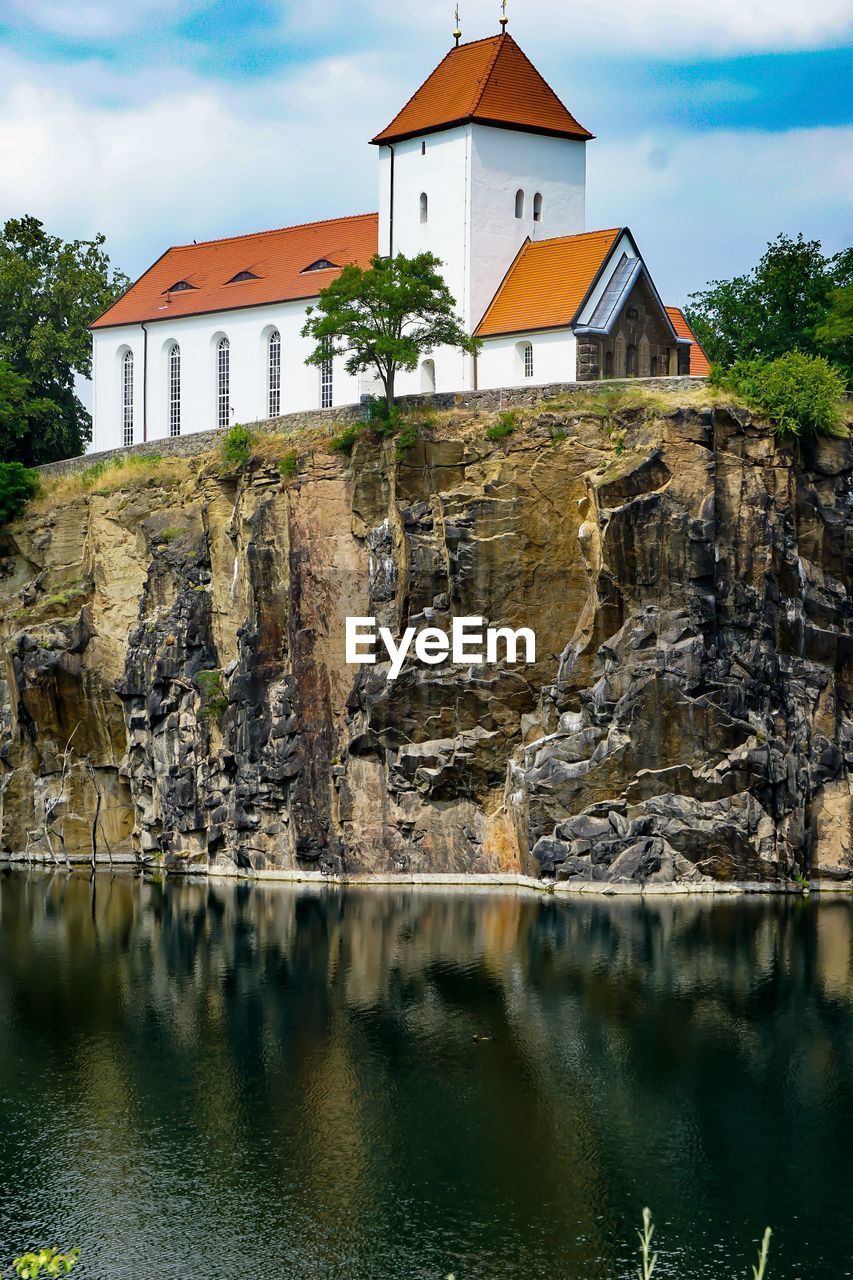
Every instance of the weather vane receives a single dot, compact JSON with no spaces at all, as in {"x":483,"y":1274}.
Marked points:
{"x":457,"y":34}
{"x":504,"y":18}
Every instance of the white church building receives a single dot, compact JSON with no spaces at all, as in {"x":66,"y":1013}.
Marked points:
{"x":484,"y":167}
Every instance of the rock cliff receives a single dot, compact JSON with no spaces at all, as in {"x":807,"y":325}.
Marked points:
{"x":175,"y":682}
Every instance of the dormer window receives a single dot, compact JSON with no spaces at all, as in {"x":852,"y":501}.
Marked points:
{"x":242,"y":276}
{"x":180,"y":286}
{"x":322,"y":264}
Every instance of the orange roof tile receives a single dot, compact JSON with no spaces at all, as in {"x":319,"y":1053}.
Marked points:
{"x":547,"y":283}
{"x":278,"y":258}
{"x":700,"y":365}
{"x":492,"y":82}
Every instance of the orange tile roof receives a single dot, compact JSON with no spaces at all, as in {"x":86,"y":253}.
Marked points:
{"x":547,"y":283}
{"x":700,"y":365}
{"x":277,"y":258}
{"x":490,"y":81}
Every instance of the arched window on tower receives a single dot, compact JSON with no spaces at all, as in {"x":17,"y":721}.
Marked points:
{"x":537,"y":207}
{"x":223,"y":383}
{"x":631,"y":361}
{"x":274,"y":374}
{"x":519,"y":204}
{"x":424,"y":207}
{"x":127,"y":398}
{"x":174,"y":390}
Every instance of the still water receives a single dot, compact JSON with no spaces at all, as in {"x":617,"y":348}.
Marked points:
{"x":230,"y":1080}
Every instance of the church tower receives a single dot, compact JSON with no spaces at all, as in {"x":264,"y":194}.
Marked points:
{"x":481,"y":158}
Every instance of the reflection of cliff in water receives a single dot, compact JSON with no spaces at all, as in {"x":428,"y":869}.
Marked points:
{"x":238,"y":1061}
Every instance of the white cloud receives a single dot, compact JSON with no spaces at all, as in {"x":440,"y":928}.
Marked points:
{"x":182,"y":159}
{"x":663,"y":28}
{"x":97,"y":19}
{"x":704,"y":205}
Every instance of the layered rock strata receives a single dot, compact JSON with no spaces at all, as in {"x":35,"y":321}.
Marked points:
{"x":176,"y":685}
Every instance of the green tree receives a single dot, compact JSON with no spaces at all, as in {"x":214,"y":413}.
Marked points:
{"x":385,"y":317}
{"x":779,"y":306}
{"x":50,"y":292}
{"x":835,"y":334}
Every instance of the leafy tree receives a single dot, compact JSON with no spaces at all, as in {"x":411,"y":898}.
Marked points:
{"x":835,"y":334}
{"x":385,"y":317}
{"x":50,"y":292}
{"x":781,"y":305}
{"x":17,"y":485}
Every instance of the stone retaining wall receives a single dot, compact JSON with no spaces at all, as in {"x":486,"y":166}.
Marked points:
{"x":485,"y":401}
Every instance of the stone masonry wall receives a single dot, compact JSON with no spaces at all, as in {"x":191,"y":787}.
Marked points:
{"x":486,"y":401}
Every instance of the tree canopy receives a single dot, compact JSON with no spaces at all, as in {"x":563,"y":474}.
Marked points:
{"x":385,"y":317}
{"x":795,"y":299}
{"x":50,"y":292}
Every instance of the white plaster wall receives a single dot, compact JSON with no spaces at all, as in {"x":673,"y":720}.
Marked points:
{"x":197,"y":336}
{"x":500,"y":363}
{"x":503,"y":162}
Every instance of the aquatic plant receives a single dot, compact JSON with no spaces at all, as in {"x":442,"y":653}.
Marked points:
{"x":47,"y":1262}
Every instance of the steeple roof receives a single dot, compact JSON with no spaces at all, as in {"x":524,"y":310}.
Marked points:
{"x":488,"y":81}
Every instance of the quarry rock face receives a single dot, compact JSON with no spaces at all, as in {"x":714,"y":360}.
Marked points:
{"x":175,"y":682}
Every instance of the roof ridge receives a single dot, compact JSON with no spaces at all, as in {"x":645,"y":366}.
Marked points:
{"x":272,"y":231}
{"x":578,"y":235}
{"x":499,"y":44}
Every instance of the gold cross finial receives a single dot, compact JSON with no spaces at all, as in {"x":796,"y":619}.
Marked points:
{"x":504,"y":18}
{"x":457,"y":34}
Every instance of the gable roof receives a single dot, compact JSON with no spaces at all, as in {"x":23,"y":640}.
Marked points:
{"x":700,"y":365}
{"x":488,"y":81}
{"x":279,"y":260}
{"x":548,"y":282}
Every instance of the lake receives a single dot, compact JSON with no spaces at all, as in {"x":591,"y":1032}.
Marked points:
{"x":248,"y":1079}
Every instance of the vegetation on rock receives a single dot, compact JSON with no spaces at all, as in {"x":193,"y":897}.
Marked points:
{"x":801,"y":395}
{"x":237,"y":446}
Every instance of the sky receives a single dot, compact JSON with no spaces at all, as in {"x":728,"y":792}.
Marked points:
{"x":718,"y":123}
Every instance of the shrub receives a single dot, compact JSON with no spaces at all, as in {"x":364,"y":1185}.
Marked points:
{"x":47,"y":1262}
{"x":237,"y":446}
{"x":214,"y":697}
{"x":287,"y":465}
{"x":89,"y":475}
{"x":802,"y":395}
{"x":505,"y":425}
{"x":170,"y":534}
{"x":405,"y":439}
{"x":17,"y":485}
{"x":344,"y":441}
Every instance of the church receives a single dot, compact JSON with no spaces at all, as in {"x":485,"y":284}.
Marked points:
{"x":486,"y":168}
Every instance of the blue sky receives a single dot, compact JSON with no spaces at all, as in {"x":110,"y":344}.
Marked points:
{"x":718,"y":124}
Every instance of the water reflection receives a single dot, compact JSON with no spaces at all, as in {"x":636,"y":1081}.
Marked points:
{"x":389,"y":1083}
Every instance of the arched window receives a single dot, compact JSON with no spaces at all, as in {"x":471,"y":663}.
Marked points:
{"x":665,"y":360}
{"x":537,"y":207}
{"x":274,"y":374}
{"x":428,"y":377}
{"x":527,"y":359}
{"x":326,"y":384}
{"x":608,"y":364}
{"x":631,"y":361}
{"x":519,"y":204}
{"x":223,"y":383}
{"x":127,"y":398}
{"x":424,"y":207}
{"x":653,"y":368}
{"x":174,"y":390}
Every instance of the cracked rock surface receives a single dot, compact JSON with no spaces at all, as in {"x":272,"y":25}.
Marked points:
{"x":175,"y":682}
